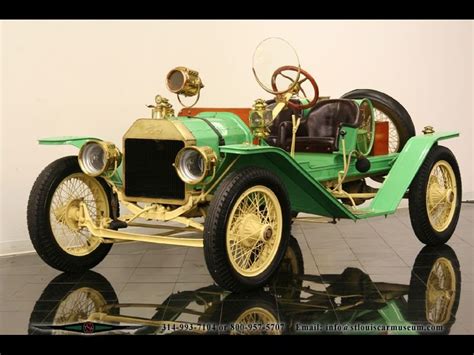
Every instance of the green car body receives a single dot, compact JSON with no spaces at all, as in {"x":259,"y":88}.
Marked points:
{"x":303,"y":173}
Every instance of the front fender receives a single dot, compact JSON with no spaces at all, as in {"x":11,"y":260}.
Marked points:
{"x":78,"y":142}
{"x":305,"y":193}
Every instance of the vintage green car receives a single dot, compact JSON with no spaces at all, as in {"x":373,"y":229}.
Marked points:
{"x":232,"y":180}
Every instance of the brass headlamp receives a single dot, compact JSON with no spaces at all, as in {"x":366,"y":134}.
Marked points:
{"x":99,"y":157}
{"x":193,"y":164}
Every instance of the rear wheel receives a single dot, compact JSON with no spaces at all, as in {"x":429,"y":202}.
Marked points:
{"x":435,"y":197}
{"x":53,"y":206}
{"x":387,"y":109}
{"x":247,"y":229}
{"x":435,"y":289}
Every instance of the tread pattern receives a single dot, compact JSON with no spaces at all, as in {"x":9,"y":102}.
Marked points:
{"x":39,"y":227}
{"x":417,"y":198}
{"x":399,"y":115}
{"x":215,"y":251}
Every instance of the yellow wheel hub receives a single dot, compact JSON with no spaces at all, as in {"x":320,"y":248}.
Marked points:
{"x":441,"y":195}
{"x":254,"y":231}
{"x":64,"y":213}
{"x":69,"y":214}
{"x":253,"y":320}
{"x":78,"y":306}
{"x":440,"y":292}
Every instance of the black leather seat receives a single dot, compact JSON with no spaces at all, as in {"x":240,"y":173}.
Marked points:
{"x":280,"y":125}
{"x":319,"y":131}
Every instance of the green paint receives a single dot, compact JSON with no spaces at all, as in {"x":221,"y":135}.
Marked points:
{"x":303,"y":174}
{"x":393,"y":316}
{"x":306,"y":194}
{"x":402,"y":174}
{"x":230,"y":126}
{"x":325,"y":166}
{"x":77,"y":141}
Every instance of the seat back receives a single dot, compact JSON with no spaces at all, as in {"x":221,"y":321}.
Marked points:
{"x":326,"y":117}
{"x":283,"y":116}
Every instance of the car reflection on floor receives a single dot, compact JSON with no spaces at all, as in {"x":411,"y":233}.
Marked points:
{"x":294,"y":302}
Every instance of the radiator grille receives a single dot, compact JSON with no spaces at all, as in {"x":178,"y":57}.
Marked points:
{"x":149,"y":171}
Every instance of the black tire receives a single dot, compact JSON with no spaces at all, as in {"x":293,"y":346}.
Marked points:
{"x":261,"y":307}
{"x":417,"y":198}
{"x":39,"y":226}
{"x":46,"y":307}
{"x":294,"y":215}
{"x":287,"y":282}
{"x":392,"y":108}
{"x":215,"y":251}
{"x":417,"y":295}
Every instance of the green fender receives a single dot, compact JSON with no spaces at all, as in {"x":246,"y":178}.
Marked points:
{"x":305,"y":193}
{"x":402,"y":174}
{"x":78,"y":142}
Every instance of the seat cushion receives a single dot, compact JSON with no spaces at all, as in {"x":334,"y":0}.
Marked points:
{"x":312,"y":144}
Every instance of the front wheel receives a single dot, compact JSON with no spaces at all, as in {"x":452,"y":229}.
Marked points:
{"x":247,"y":229}
{"x":53,"y":206}
{"x":435,"y":197}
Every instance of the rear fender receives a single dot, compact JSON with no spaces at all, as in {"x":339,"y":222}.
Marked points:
{"x":402,"y":173}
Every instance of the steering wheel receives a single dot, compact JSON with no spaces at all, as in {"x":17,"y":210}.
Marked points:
{"x":297,"y":87}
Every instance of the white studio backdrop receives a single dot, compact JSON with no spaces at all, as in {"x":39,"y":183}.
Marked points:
{"x":95,"y":78}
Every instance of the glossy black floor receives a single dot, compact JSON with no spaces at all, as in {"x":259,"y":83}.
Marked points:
{"x":357,"y":276}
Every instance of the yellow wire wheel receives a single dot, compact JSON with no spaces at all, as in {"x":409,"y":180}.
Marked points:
{"x":441,"y":195}
{"x":71,"y":298}
{"x":64,"y":209}
{"x":78,"y":305}
{"x":435,"y":197}
{"x":53,"y":216}
{"x":255,"y":320}
{"x":440,"y":292}
{"x":247,"y":229}
{"x":254,"y":231}
{"x":435,"y":289}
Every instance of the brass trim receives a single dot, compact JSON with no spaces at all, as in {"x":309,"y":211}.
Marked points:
{"x":209,"y":157}
{"x":147,"y":128}
{"x":428,"y":130}
{"x":254,"y":71}
{"x":163,"y":109}
{"x":191,"y":84}
{"x":112,"y":154}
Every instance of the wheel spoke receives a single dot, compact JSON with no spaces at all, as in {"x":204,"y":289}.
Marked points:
{"x":254,"y":219}
{"x":77,"y":187}
{"x":287,"y":77}
{"x":441,"y":195}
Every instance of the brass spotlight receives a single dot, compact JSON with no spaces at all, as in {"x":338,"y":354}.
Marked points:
{"x":184,"y":81}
